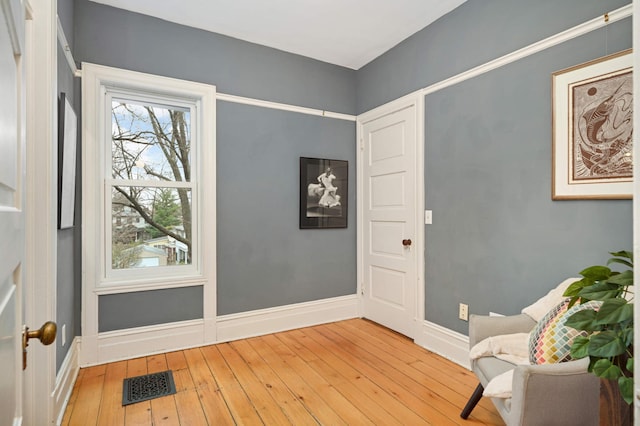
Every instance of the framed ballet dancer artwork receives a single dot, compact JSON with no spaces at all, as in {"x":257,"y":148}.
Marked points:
{"x":593,"y":129}
{"x":324,"y":188}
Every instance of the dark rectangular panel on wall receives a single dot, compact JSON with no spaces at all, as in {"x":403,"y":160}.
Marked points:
{"x":142,"y":308}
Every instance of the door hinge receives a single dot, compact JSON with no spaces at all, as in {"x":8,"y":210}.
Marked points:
{"x":361,"y":144}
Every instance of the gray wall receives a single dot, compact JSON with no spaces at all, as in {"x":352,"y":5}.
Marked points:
{"x":497,"y":241}
{"x":264,"y":260}
{"x":68,"y":278}
{"x":141,"y":308}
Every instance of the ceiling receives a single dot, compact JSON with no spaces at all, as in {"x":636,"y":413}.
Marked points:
{"x":350,"y":33}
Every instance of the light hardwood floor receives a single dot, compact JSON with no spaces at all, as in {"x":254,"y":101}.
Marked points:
{"x":350,"y":372}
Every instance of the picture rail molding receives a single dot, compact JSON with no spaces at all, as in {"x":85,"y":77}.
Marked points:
{"x":62,"y":40}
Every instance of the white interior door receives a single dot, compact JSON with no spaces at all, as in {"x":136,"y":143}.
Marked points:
{"x":389,"y":220}
{"x":12,"y":247}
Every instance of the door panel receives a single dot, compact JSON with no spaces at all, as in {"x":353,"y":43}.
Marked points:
{"x":11,"y":215}
{"x":390,"y":269}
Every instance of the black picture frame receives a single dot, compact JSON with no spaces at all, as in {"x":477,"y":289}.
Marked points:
{"x":323,"y":198}
{"x":67,"y":147}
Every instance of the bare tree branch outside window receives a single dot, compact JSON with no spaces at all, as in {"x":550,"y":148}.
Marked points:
{"x":152,"y":223}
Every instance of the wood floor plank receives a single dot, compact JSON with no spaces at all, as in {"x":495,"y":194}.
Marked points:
{"x":140,"y":412}
{"x":348,"y":382}
{"x":448,"y":401}
{"x":239,"y":404}
{"x":403,"y":385}
{"x":309,"y":384}
{"x":290,"y":405}
{"x":267,"y":407}
{"x":456,"y":384}
{"x":190,"y":409}
{"x":349,"y":372}
{"x":397,"y":347}
{"x":213,"y":405}
{"x":72,"y":399}
{"x":164,"y":410}
{"x":87,"y":406}
{"x":396,"y":343}
{"x":112,"y":395}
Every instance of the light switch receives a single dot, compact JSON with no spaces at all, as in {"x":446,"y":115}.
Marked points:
{"x":428,"y":217}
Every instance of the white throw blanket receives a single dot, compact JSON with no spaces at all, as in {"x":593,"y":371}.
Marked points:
{"x":513,"y":348}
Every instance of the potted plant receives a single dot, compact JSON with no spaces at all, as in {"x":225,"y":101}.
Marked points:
{"x":608,"y":337}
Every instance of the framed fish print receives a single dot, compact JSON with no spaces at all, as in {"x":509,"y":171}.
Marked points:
{"x":593,"y":129}
{"x":323,"y":193}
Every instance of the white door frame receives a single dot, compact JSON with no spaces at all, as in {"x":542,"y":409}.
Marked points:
{"x":41,"y":206}
{"x":415,"y":100}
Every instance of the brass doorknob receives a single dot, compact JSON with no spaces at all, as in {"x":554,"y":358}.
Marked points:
{"x":406,"y":243}
{"x":46,"y":334}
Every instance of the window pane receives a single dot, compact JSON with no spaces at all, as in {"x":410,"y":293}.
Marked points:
{"x":150,"y":227}
{"x":150,"y":142}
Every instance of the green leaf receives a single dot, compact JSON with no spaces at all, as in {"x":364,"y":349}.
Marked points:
{"x":577,"y":286}
{"x":580,"y":347}
{"x":623,"y":253}
{"x":621,"y":261}
{"x":629,"y":365}
{"x":596,"y":273}
{"x":606,"y":369}
{"x":606,"y":344}
{"x":583,"y":320}
{"x":624,"y":278}
{"x":626,"y":388}
{"x":614,"y":311}
{"x":600,"y":291}
{"x":627,"y":335}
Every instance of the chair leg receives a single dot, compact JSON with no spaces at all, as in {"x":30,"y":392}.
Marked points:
{"x":475,"y":398}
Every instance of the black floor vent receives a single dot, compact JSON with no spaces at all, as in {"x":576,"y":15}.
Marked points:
{"x":150,"y":386}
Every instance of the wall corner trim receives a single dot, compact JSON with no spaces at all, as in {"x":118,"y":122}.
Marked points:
{"x":444,"y":342}
{"x":66,"y":379}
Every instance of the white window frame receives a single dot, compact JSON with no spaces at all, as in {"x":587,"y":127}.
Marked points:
{"x":114,"y":277}
{"x":97,"y":82}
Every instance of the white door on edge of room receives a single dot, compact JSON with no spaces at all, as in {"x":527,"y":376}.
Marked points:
{"x":12,"y":218}
{"x":389,"y":227}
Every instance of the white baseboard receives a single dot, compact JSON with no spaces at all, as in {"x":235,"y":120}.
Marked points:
{"x":272,"y":320}
{"x":65,"y":379}
{"x":444,"y":342}
{"x":143,"y":341}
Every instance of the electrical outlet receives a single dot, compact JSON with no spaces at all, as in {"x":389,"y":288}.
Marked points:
{"x":63,"y":334}
{"x":463,"y":312}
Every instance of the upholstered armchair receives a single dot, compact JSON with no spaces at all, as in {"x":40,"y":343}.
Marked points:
{"x":559,"y":393}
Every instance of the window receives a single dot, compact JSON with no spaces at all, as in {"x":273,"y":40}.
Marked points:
{"x":151,"y":183}
{"x":149,"y":193}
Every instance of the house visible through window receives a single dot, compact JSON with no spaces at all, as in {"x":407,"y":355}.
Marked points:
{"x":151,"y":185}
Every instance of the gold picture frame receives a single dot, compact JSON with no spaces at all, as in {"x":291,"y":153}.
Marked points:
{"x":593,"y":129}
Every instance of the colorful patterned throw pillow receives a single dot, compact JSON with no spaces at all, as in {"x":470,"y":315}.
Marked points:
{"x":550,"y":341}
